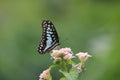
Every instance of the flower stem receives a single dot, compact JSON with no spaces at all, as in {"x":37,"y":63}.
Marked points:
{"x":63,"y":66}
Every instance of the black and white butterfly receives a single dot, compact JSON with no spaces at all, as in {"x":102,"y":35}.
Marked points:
{"x":50,"y":39}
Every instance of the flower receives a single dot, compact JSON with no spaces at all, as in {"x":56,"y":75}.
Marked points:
{"x":66,"y":50}
{"x":57,"y":53}
{"x":64,"y":53}
{"x":83,"y":56}
{"x":68,"y":56}
{"x":78,"y":66}
{"x":45,"y":75}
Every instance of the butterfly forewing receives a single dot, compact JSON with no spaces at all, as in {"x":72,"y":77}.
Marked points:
{"x":50,"y":38}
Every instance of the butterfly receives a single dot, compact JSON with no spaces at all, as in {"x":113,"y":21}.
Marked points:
{"x":50,"y":39}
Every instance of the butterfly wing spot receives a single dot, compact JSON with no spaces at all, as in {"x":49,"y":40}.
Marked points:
{"x":48,"y":25}
{"x":41,"y":45}
{"x":44,"y":22}
{"x":44,"y":25}
{"x":42,"y":40}
{"x":48,"y":28}
{"x":44,"y":28}
{"x":51,"y":33}
{"x":48,"y":36}
{"x":53,"y":36}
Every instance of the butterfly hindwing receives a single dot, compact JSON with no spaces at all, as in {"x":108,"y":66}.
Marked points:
{"x":50,"y":38}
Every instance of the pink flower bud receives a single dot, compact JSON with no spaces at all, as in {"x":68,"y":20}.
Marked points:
{"x":79,"y":68}
{"x":83,"y":56}
{"x":45,"y":75}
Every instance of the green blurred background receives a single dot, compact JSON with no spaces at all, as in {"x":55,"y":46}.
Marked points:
{"x":83,"y":25}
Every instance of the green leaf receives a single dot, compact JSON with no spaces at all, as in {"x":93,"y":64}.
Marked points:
{"x":70,"y":62}
{"x":72,"y":75}
{"x":63,"y":78}
{"x":53,"y":66}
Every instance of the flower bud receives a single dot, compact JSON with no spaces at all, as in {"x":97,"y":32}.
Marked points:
{"x":83,"y":56}
{"x":45,"y":75}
